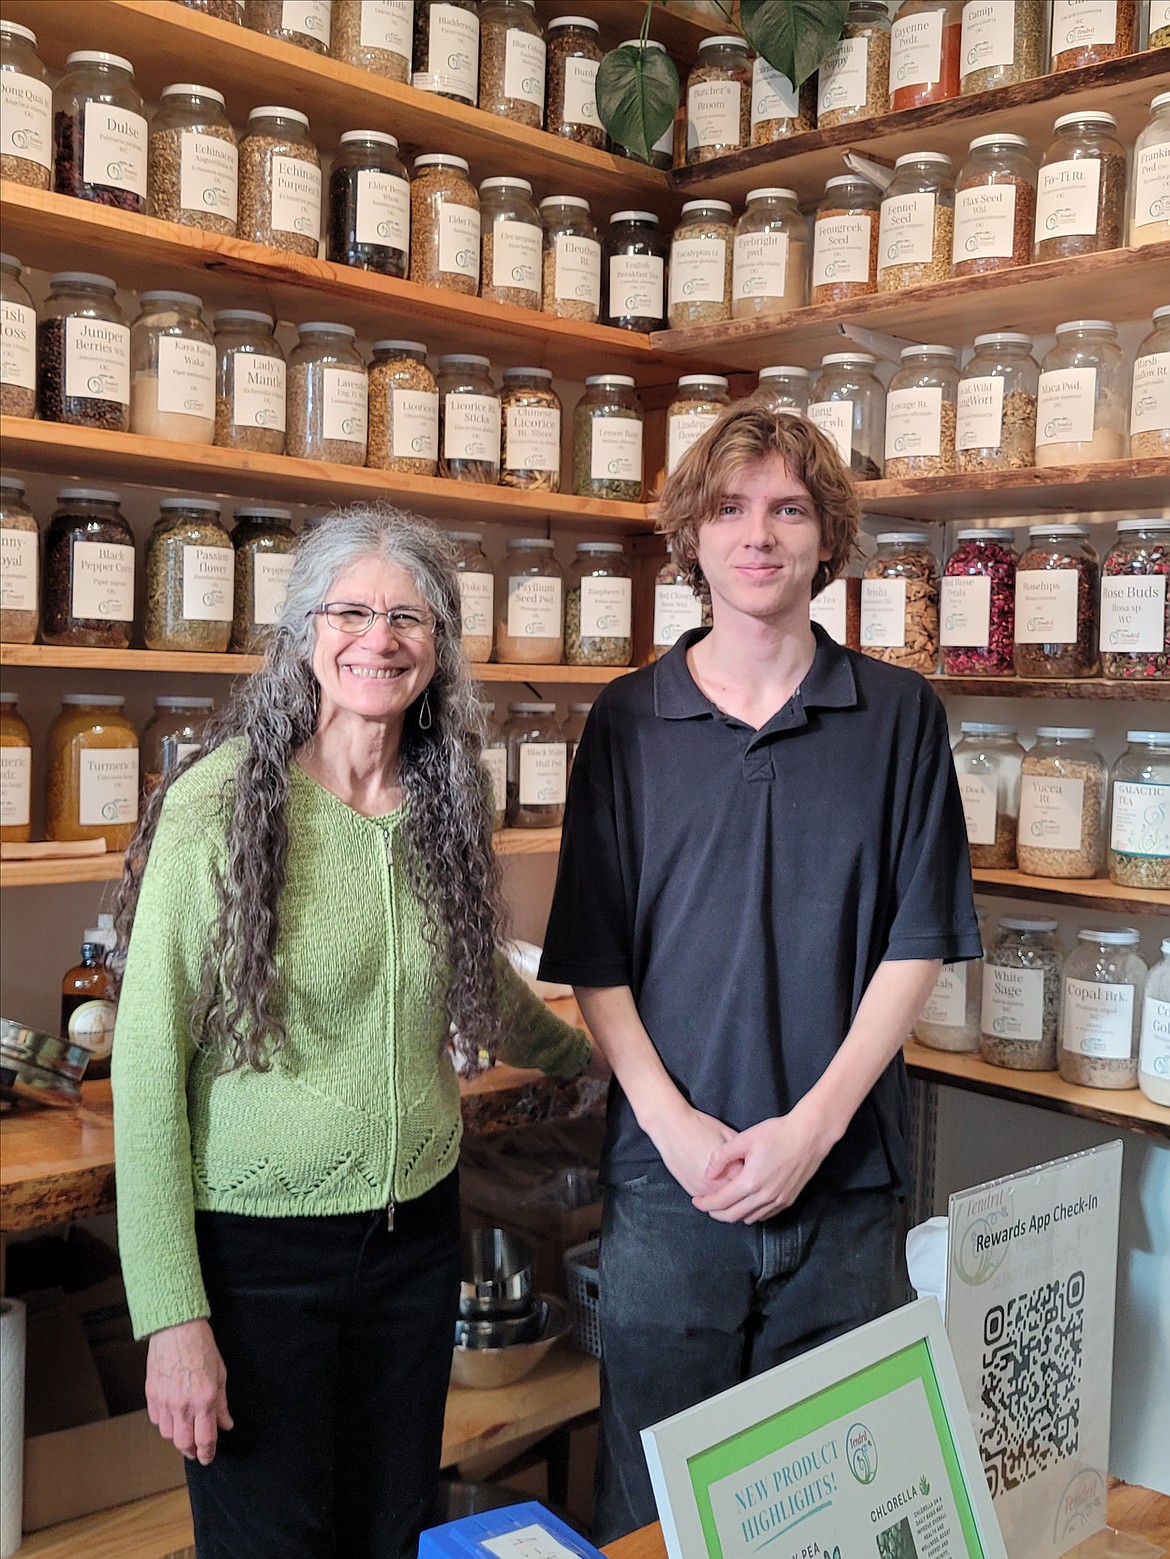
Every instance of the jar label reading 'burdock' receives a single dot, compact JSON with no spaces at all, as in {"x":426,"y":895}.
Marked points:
{"x":103,"y":582}
{"x":209,"y":175}
{"x":1050,"y":812}
{"x":477,"y":594}
{"x":459,"y":240}
{"x":883,"y":613}
{"x":186,"y":377}
{"x":1155,"y":1041}
{"x":1150,"y":409}
{"x":1076,"y":23}
{"x":311,"y":17}
{"x":580,"y":91}
{"x":296,"y":197}
{"x":965,"y":615}
{"x":543,"y":767}
{"x":415,"y":418}
{"x":829,"y":608}
{"x":516,"y":255}
{"x":258,"y":391}
{"x":1046,"y":606}
{"x":676,"y":608}
{"x":454,"y":49}
{"x":698,"y":268}
{"x":387,"y":24}
{"x":578,"y":270}
{"x":615,"y":452}
{"x":270,"y":572}
{"x":985,"y":222}
{"x":906,"y":231}
{"x":471,"y":427}
{"x":1066,"y":198}
{"x":344,"y":404}
{"x":208,"y":579}
{"x":978,"y":796}
{"x":760,"y":265}
{"x":115,"y":148}
{"x":15,"y":786}
{"x":495,"y":761}
{"x":26,"y":118}
{"x":532,"y":438}
{"x":534,"y":608}
{"x":1133,"y":614}
{"x":108,"y":786}
{"x":606,"y":608}
{"x":713,"y":113}
{"x":97,"y":360}
{"x":1065,"y":403}
{"x":842,"y":76}
{"x":1151,"y":201}
{"x":1097,"y":1020}
{"x":841,"y":249}
{"x":18,"y":570}
{"x":916,"y":50}
{"x":836,"y":419}
{"x":947,"y":1003}
{"x":1013,"y":1003}
{"x":913,"y":422}
{"x":1141,"y":819}
{"x":635,"y":286}
{"x":979,"y":413}
{"x":18,"y":344}
{"x":524,"y":66}
{"x":988,"y":35}
{"x":683,"y":431}
{"x":773,"y":95}
{"x":383,"y":210}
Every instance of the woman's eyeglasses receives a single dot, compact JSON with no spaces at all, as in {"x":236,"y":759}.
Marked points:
{"x":405,"y":622}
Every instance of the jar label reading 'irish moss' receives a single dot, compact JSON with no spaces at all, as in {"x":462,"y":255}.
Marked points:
{"x":978,"y":808}
{"x":965,"y":616}
{"x":18,"y":570}
{"x":103,"y":582}
{"x":1133,"y":614}
{"x":1050,"y":812}
{"x":542,"y":774}
{"x":1013,"y":1003}
{"x":1097,"y":1019}
{"x":15,"y":786}
{"x":108,"y":786}
{"x":208,"y":577}
{"x":270,"y":572}
{"x":1046,"y":606}
{"x":18,"y":345}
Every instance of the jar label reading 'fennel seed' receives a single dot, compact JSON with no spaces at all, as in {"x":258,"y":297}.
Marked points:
{"x":773,"y":95}
{"x":209,"y":175}
{"x":829,"y":608}
{"x":979,"y":413}
{"x":760,"y":265}
{"x":387,"y":24}
{"x":270,"y":571}
{"x":477,"y":594}
{"x":580,"y":91}
{"x":615,"y":450}
{"x":296,"y":197}
{"x":1076,"y":23}
{"x":1133,"y":614}
{"x":683,"y":431}
{"x":698,"y":268}
{"x":108,"y":786}
{"x":713,"y":113}
{"x":578,"y":270}
{"x":208,"y":578}
{"x":988,"y":36}
{"x":1065,"y":402}
{"x":26,"y":118}
{"x":532,"y":438}
{"x":534,"y":608}
{"x":635,"y":286}
{"x":676,"y":608}
{"x":524,"y":67}
{"x":1066,"y":198}
{"x":965,"y":615}
{"x":186,"y":377}
{"x":978,"y":797}
{"x":906,"y":231}
{"x":103,"y":582}
{"x":310,"y":17}
{"x":914,"y":422}
{"x":883,"y":613}
{"x":1050,"y":812}
{"x":495,"y":760}
{"x":1097,"y":1019}
{"x":607,"y":607}
{"x":454,"y":49}
{"x":115,"y":148}
{"x":516,"y":255}
{"x":97,"y":360}
{"x":459,"y":240}
{"x":1150,"y":409}
{"x":836,"y":419}
{"x":258,"y":391}
{"x":18,"y":570}
{"x":916,"y":50}
{"x":1141,"y":819}
{"x":1151,"y":201}
{"x":344,"y":404}
{"x":947,"y":1003}
{"x":1013,"y":1003}
{"x":383,"y":210}
{"x":15,"y":786}
{"x":471,"y":427}
{"x":985,"y":223}
{"x":415,"y":418}
{"x":1155,"y":1041}
{"x":1046,"y":606}
{"x":543,"y":768}
{"x":841,"y":249}
{"x":842,"y":76}
{"x":18,"y":345}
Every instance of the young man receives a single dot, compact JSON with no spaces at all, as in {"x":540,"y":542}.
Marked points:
{"x":764,"y":862}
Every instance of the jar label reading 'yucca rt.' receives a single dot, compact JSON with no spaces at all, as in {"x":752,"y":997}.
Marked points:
{"x":1051,"y":811}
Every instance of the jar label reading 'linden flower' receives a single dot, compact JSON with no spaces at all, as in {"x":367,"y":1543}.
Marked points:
{"x":635,"y":286}
{"x":985,"y":223}
{"x":578,"y":270}
{"x":516,"y":255}
{"x":713,"y":113}
{"x":1141,"y":819}
{"x":676,"y":608}
{"x":1133,"y":614}
{"x":296,"y":197}
{"x":97,"y":360}
{"x":947,"y":1003}
{"x":15,"y":786}
{"x":979,"y":413}
{"x":543,"y":768}
{"x":454,"y":48}
{"x":115,"y":148}
{"x":495,"y":761}
{"x":1064,"y":406}
{"x":345,"y":414}
{"x":26,"y":118}
{"x":270,"y":573}
{"x":103,"y":582}
{"x":580,"y":91}
{"x":841,"y":249}
{"x":1013,"y":1003}
{"x":1046,"y":606}
{"x":534,"y":608}
{"x":1077,"y":23}
{"x":386,"y":24}
{"x":843,"y":76}
{"x":773,"y":96}
{"x":477,"y":602}
{"x":965,"y":616}
{"x":209,"y":175}
{"x":471,"y":427}
{"x":1150,"y":411}
{"x":830,"y":609}
{"x":906,"y":231}
{"x":698,"y":267}
{"x":524,"y":67}
{"x":383,"y":210}
{"x":683,"y":431}
{"x":916,"y":50}
{"x":258,"y":391}
{"x":186,"y":377}
{"x":760,"y":265}
{"x":459,"y":240}
{"x":615,"y":452}
{"x":978,"y":797}
{"x":108,"y":786}
{"x":883,"y":613}
{"x":1066,"y":198}
{"x":18,"y":345}
{"x":836,"y":419}
{"x":988,"y":36}
{"x":415,"y":418}
{"x":606,"y":608}
{"x":532,"y":439}
{"x":208,"y":577}
{"x":18,"y":570}
{"x":1097,"y":1019}
{"x":1051,"y":811}
{"x":914,"y":422}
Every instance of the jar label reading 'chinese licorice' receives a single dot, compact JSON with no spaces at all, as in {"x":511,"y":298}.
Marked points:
{"x":1051,"y":811}
{"x":1013,"y":1003}
{"x":532,"y":438}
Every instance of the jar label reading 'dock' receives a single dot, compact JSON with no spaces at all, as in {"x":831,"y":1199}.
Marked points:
{"x":906,"y":231}
{"x":1097,"y":1020}
{"x":18,"y":570}
{"x":965,"y":615}
{"x":842,"y":76}
{"x":979,"y":413}
{"x":979,"y":808}
{"x":415,"y":417}
{"x":15,"y":786}
{"x":208,"y":578}
{"x":676,"y":608}
{"x":615,"y":452}
{"x":580,"y":91}
{"x":97,"y":360}
{"x":1046,"y":606}
{"x":1141,"y":819}
{"x":543,"y":767}
{"x":26,"y":118}
{"x":471,"y":427}
{"x":209,"y":175}
{"x":1050,"y":812}
{"x":108,"y":786}
{"x":1133,"y":614}
{"x":270,"y":573}
{"x":635,"y":286}
{"x":836,"y":419}
{"x":914,"y":422}
{"x":258,"y":391}
{"x":713,"y":113}
{"x":459,"y":240}
{"x":296,"y":197}
{"x":524,"y":67}
{"x":829,"y":608}
{"x":115,"y":148}
{"x":186,"y":377}
{"x":606,"y":608}
{"x":1067,"y":194}
{"x":534,"y":608}
{"x":698,"y":270}
{"x":985,"y":223}
{"x":773,"y":95}
{"x":988,"y":35}
{"x":477,"y":593}
{"x":760,"y":265}
{"x":1064,"y":406}
{"x":387,"y":24}
{"x":532,"y":438}
{"x":18,"y":345}
{"x":916,"y":50}
{"x":103,"y":582}
{"x":344,"y":405}
{"x":577,"y":271}
{"x":516,"y":255}
{"x":683,"y":431}
{"x":1013,"y":1003}
{"x":841,"y":249}
{"x":1077,"y":23}
{"x":310,"y":17}
{"x":495,"y":760}
{"x":946,"y":1005}
{"x":383,"y":210}
{"x":454,"y":49}
{"x":1150,"y":408}
{"x":883,"y":613}
{"x":1155,"y":1041}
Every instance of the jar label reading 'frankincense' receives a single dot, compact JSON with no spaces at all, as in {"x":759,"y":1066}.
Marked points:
{"x":258,"y":391}
{"x":532,"y":438}
{"x":883,"y":613}
{"x":635,"y":286}
{"x":698,"y":269}
{"x":1076,"y":23}
{"x":103,"y":582}
{"x":415,"y":417}
{"x":387,"y":24}
{"x":1151,"y":174}
{"x":1046,"y":606}
{"x":979,"y":807}
{"x":684,"y":430}
{"x":760,"y":265}
{"x":842,"y":76}
{"x":15,"y":786}
{"x":1150,"y":409}
{"x":829,"y":608}
{"x":906,"y":231}
{"x":543,"y":771}
{"x":477,"y":594}
{"x":459,"y":240}
{"x":773,"y":95}
{"x":516,"y":255}
{"x":1133,"y":614}
{"x":988,"y":35}
{"x":841,"y":249}
{"x":310,"y":17}
{"x":965,"y":614}
{"x":534,"y":608}
{"x":186,"y":377}
{"x":383,"y":210}
{"x":115,"y":148}
{"x":495,"y":761}
{"x":615,"y":450}
{"x":18,"y":343}
{"x":580,"y":91}
{"x":676,"y":608}
{"x":713,"y":113}
{"x":578,"y":270}
{"x":1051,"y":810}
{"x":1066,"y":198}
{"x":454,"y":49}
{"x":1141,"y":819}
{"x":97,"y":360}
{"x":916,"y":50}
{"x":836,"y":419}
{"x":270,"y":572}
{"x":208,"y":578}
{"x":471,"y":427}
{"x":1013,"y":1003}
{"x":524,"y":67}
{"x":344,"y":404}
{"x":1155,"y":1041}
{"x":914,"y":422}
{"x":209,"y":175}
{"x":606,"y":608}
{"x":108,"y":786}
{"x":26,"y":118}
{"x":1065,"y":402}
{"x":946,"y":1005}
{"x":985,"y":223}
{"x":979,"y":413}
{"x":18,"y":570}
{"x":1097,"y":1019}
{"x":296,"y":197}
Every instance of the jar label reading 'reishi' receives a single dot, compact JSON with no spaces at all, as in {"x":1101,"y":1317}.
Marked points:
{"x":916,"y":50}
{"x":988,"y":35}
{"x":836,"y":419}
{"x":773,"y":95}
{"x":296,"y":197}
{"x":459,"y":240}
{"x":841,"y":249}
{"x":635,"y":286}
{"x":606,"y":608}
{"x":760,"y":265}
{"x":534,"y":608}
{"x":947,"y":1003}
{"x":1141,"y":819}
{"x":26,"y":118}
{"x":454,"y":49}
{"x":209,"y":175}
{"x":1133,"y":614}
{"x":1065,"y":403}
{"x":830,"y":609}
{"x":18,"y":345}
{"x":914,"y":422}
{"x":676,"y":608}
{"x":471,"y":427}
{"x":524,"y":67}
{"x":842,"y":76}
{"x":108,"y":786}
{"x":883,"y":613}
{"x":344,"y":404}
{"x":311,"y":17}
{"x":580,"y":91}
{"x":97,"y":360}
{"x":985,"y":222}
{"x":15,"y":786}
{"x":495,"y":760}
{"x":383,"y":210}
{"x":1046,"y":606}
{"x":965,"y":616}
{"x":542,"y":773}
{"x":698,"y":270}
{"x":258,"y":391}
{"x":103,"y":582}
{"x":683,"y":431}
{"x":115,"y":148}
{"x":1150,"y":409}
{"x":615,"y":449}
{"x":1067,"y":196}
{"x":270,"y":572}
{"x":906,"y":231}
{"x":1013,"y":1003}
{"x":208,"y":579}
{"x":978,"y":796}
{"x":578,"y":270}
{"x":532,"y":438}
{"x":516,"y":255}
{"x":386,"y":24}
{"x":186,"y":377}
{"x":18,"y":570}
{"x":979,"y":413}
{"x":1097,"y":1019}
{"x":1051,"y":811}
{"x":1077,"y":23}
{"x":713,"y":113}
{"x":415,"y":415}
{"x":477,"y":601}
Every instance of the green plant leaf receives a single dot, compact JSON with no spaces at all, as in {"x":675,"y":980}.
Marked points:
{"x":637,"y":95}
{"x":794,"y":36}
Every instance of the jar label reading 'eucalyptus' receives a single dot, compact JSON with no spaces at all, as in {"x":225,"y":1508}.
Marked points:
{"x":606,"y":608}
{"x":1066,"y":198}
{"x":1013,"y":1003}
{"x":914,"y":422}
{"x":26,"y":118}
{"x":115,"y":148}
{"x":947,"y":1003}
{"x":383,"y":210}
{"x":1133,"y":614}
{"x":296,"y":197}
{"x":387,"y":24}
{"x":459,"y":240}
{"x":829,"y":608}
{"x":270,"y":573}
{"x":108,"y":786}
{"x":471,"y":427}
{"x":773,"y":95}
{"x":344,"y":404}
{"x":965,"y":616}
{"x":209,"y":175}
{"x":578,"y":270}
{"x":186,"y":377}
{"x":1150,"y":411}
{"x":916,"y":50}
{"x":841,"y":249}
{"x":760,"y":265}
{"x":906,"y":231}
{"x":97,"y":360}
{"x":1141,"y":819}
{"x":978,"y":808}
{"x":1064,"y":406}
{"x":15,"y":786}
{"x":495,"y":760}
{"x":1097,"y":1019}
{"x":543,"y":768}
{"x":532,"y":438}
{"x":1076,"y":23}
{"x":985,"y":222}
{"x":635,"y":286}
{"x":1051,"y":812}
{"x":615,"y":452}
{"x":311,"y":17}
{"x":836,"y":419}
{"x":534,"y":608}
{"x":883,"y":613}
{"x":516,"y":255}
{"x":18,"y":344}
{"x":208,"y":578}
{"x":477,"y":602}
{"x":580,"y":91}
{"x":103,"y":582}
{"x":454,"y":49}
{"x":988,"y":36}
{"x":842,"y":76}
{"x":676,"y":608}
{"x":713,"y":113}
{"x":18,"y":570}
{"x":258,"y":391}
{"x":979,"y":413}
{"x":698,"y":268}
{"x":524,"y":66}
{"x":683,"y":431}
{"x":1155,"y":1042}
{"x":1046,"y":606}
{"x":415,"y":416}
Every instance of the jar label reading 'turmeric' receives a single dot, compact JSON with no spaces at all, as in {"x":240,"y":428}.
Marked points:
{"x":580,"y":91}
{"x":914,"y":422}
{"x":1155,"y":1041}
{"x":415,"y":418}
{"x":383,"y":210}
{"x":543,"y":772}
{"x":1066,"y":198}
{"x":18,"y":344}
{"x":258,"y":391}
{"x":684,"y":430}
{"x":296,"y":197}
{"x":713,"y":113}
{"x":103,"y":582}
{"x":1051,"y":810}
{"x":606,"y":608}
{"x":18,"y":570}
{"x":883,"y":613}
{"x":836,"y":419}
{"x":26,"y":118}
{"x":1013,"y":1003}
{"x":979,"y":413}
{"x":209,"y":175}
{"x":107,"y":786}
{"x":946,"y":1005}
{"x":495,"y":761}
{"x":534,"y":608}
{"x":310,"y":17}
{"x":454,"y":49}
{"x":532,"y":438}
{"x":841,"y":249}
{"x":516,"y":255}
{"x":1133,"y":614}
{"x":985,"y":223}
{"x":979,"y":808}
{"x":577,"y":271}
{"x":1141,"y":819}
{"x":477,"y":593}
{"x":906,"y":231}
{"x":615,"y":450}
{"x":97,"y":360}
{"x":760,"y":265}
{"x":387,"y":24}
{"x":115,"y":148}
{"x":773,"y":95}
{"x":1077,"y":23}
{"x":965,"y":614}
{"x":635,"y":286}
{"x":988,"y":35}
{"x":1046,"y":606}
{"x":1150,"y":408}
{"x":344,"y":404}
{"x":842,"y":76}
{"x":471,"y":427}
{"x":459,"y":240}
{"x":698,"y":270}
{"x":1065,"y":402}
{"x":186,"y":377}
{"x":270,"y":571}
{"x":524,"y":67}
{"x":208,"y":579}
{"x":916,"y":50}
{"x":15,"y":786}
{"x":829,"y":608}
{"x":1097,"y":1020}
{"x":676,"y":608}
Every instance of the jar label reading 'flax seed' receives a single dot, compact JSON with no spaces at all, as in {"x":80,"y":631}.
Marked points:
{"x":524,"y":67}
{"x":829,"y":608}
{"x":978,"y":796}
{"x":108,"y":786}
{"x":344,"y":401}
{"x":578,"y":270}
{"x":773,"y":95}
{"x":103,"y":582}
{"x":1133,"y":614}
{"x":18,"y":570}
{"x":1013,"y":1003}
{"x":842,"y":76}
{"x":713,"y":113}
{"x":1051,"y":811}
{"x":676,"y":608}
{"x":947,"y":1003}
{"x":988,"y":35}
{"x":1067,"y":197}
{"x":1097,"y":1019}
{"x":186,"y":377}
{"x":296,"y":197}
{"x":383,"y":210}
{"x":1141,"y":819}
{"x":18,"y":345}
{"x":208,"y":577}
{"x":476,"y":603}
{"x":542,"y":774}
{"x":965,"y":617}
{"x":270,"y":572}
{"x":26,"y":118}
{"x":1150,"y":411}
{"x":841,"y":249}
{"x":534,"y":608}
{"x":580,"y":91}
{"x":115,"y":148}
{"x":15,"y":786}
{"x":606,"y":608}
{"x":1046,"y":606}
{"x":883,"y":613}
{"x":985,"y":222}
{"x":97,"y":360}
{"x":258,"y":391}
{"x":415,"y":417}
{"x":836,"y":419}
{"x":387,"y":24}
{"x":209,"y":175}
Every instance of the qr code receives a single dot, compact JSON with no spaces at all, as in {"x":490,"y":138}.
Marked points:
{"x":1030,"y":1413}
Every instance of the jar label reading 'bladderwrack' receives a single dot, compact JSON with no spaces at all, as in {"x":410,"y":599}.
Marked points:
{"x":209,"y":175}
{"x":524,"y":67}
{"x":676,"y":608}
{"x":906,"y":231}
{"x":836,"y":419}
{"x":115,"y":148}
{"x":606,"y":608}
{"x":979,"y":413}
{"x":829,"y":608}
{"x":1065,"y":402}
{"x":97,"y":360}
{"x":1150,"y":410}
{"x":1151,"y":201}
{"x":383,"y":210}
{"x":543,"y":768}
{"x":760,"y":265}
{"x":1155,"y":1040}
{"x":103,"y":582}
{"x":988,"y":35}
{"x":1133,"y":614}
{"x":387,"y":24}
{"x":1079,"y":23}
{"x":270,"y":574}
{"x":773,"y":95}
{"x":578,"y":270}
{"x":947,"y":1003}
{"x":916,"y":50}
{"x":965,"y":615}
{"x":635,"y":286}
{"x":459,"y":240}
{"x":495,"y":760}
{"x":1046,"y":606}
{"x":26,"y":118}
{"x":713,"y":113}
{"x":1067,"y":196}
{"x":516,"y":255}
{"x":15,"y":786}
{"x":471,"y":427}
{"x":913,"y":422}
{"x":615,"y":452}
{"x":683,"y":431}
{"x":883,"y":613}
{"x":344,"y":404}
{"x":535,"y":610}
{"x":580,"y":91}
{"x":477,"y":594}
{"x":842,"y":76}
{"x":208,"y":581}
{"x":1013,"y":1003}
{"x":454,"y":49}
{"x":18,"y":345}
{"x":1051,"y":812}
{"x":985,"y":223}
{"x":979,"y":808}
{"x":310,"y":17}
{"x":532,"y":438}
{"x":698,"y":270}
{"x":1097,"y":1020}
{"x":186,"y":377}
{"x":415,"y":418}
{"x":18,"y":570}
{"x":841,"y":249}
{"x":258,"y":391}
{"x":108,"y":786}
{"x":296,"y":197}
{"x":1141,"y":819}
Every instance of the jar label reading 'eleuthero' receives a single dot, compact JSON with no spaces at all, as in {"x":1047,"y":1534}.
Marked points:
{"x":979,"y":413}
{"x":387,"y":24}
{"x":1141,"y":819}
{"x":1013,"y":1003}
{"x":258,"y":391}
{"x":208,"y":579}
{"x":471,"y":427}
{"x":1078,"y":23}
{"x":270,"y":572}
{"x":1046,"y":606}
{"x":383,"y":210}
{"x":1151,"y":173}
{"x":26,"y":118}
{"x":713,"y":113}
{"x":829,"y":608}
{"x":108,"y":786}
{"x":209,"y":175}
{"x":580,"y":91}
{"x":985,"y":223}
{"x":459,"y":240}
{"x":495,"y":761}
{"x":606,"y":608}
{"x":415,"y":418}
{"x":1066,"y":198}
{"x":97,"y":360}
{"x":18,"y":570}
{"x":1097,"y":1020}
{"x":524,"y":66}
{"x":115,"y":148}
{"x":965,"y":613}
{"x":773,"y":95}
{"x":841,"y":249}
{"x":615,"y":449}
{"x":186,"y":377}
{"x":913,"y":422}
{"x":1051,"y":810}
{"x":916,"y":50}
{"x":883,"y":613}
{"x":836,"y":419}
{"x":842,"y":76}
{"x":1065,"y":404}
{"x":532,"y":438}
{"x":103,"y":582}
{"x":310,"y":17}
{"x":15,"y":786}
{"x":454,"y":49}
{"x":344,"y":405}
{"x":1133,"y":614}
{"x":296,"y":197}
{"x":676,"y":608}
{"x":516,"y":255}
{"x":534,"y":608}
{"x":1155,"y":1041}
{"x":683,"y":430}
{"x":946,"y":1006}
{"x":577,"y":271}
{"x":18,"y":343}
{"x":906,"y":231}
{"x":477,"y":595}
{"x":635,"y":286}
{"x":543,"y":773}
{"x":1150,"y":408}
{"x":988,"y":35}
{"x":759,"y":267}
{"x":698,"y":270}
{"x":979,"y":806}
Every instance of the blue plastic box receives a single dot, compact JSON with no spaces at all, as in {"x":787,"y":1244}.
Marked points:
{"x":527,"y":1531}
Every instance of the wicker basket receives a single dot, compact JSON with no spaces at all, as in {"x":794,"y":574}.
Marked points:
{"x":582,"y":1287}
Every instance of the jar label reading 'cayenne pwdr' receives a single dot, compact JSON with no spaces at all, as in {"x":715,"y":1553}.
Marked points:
{"x":947,"y":1003}
{"x":906,"y":231}
{"x":1051,"y":812}
{"x":713,"y":113}
{"x":115,"y":148}
{"x":1046,"y":606}
{"x":615,"y":450}
{"x":383,"y":210}
{"x":1013,"y":1003}
{"x":985,"y":222}
{"x":773,"y":95}
{"x":1155,"y":1041}
{"x":978,"y":797}
{"x":916,"y":50}
{"x":543,"y":772}
{"x":258,"y":391}
{"x":534,"y":608}
{"x":979,"y":413}
{"x":836,"y":419}
{"x":524,"y":67}
{"x":459,"y":240}
{"x":495,"y":761}
{"x":1141,"y":819}
{"x":108,"y":786}
{"x":883,"y":613}
{"x":1065,"y":402}
{"x":415,"y":417}
{"x":760,"y":265}
{"x":208,"y":578}
{"x":841,"y":249}
{"x":1097,"y":1020}
{"x":578,"y":270}
{"x":676,"y":608}
{"x":1133,"y":614}
{"x":914,"y":422}
{"x":18,"y":345}
{"x":471,"y":427}
{"x":842,"y":76}
{"x":454,"y":48}
{"x":1150,"y":409}
{"x":477,"y":594}
{"x":829,"y":608}
{"x":606,"y":608}
{"x":387,"y":24}
{"x":18,"y":570}
{"x":209,"y":175}
{"x":683,"y":431}
{"x":344,"y":404}
{"x":965,"y":616}
{"x":580,"y":91}
{"x":1076,"y":23}
{"x":532,"y":438}
{"x":186,"y":377}
{"x":270,"y":571}
{"x":97,"y":360}
{"x":26,"y":118}
{"x":311,"y":17}
{"x":698,"y":267}
{"x":1066,"y":198}
{"x":516,"y":255}
{"x":103,"y":582}
{"x":15,"y":786}
{"x":635,"y":286}
{"x":296,"y":197}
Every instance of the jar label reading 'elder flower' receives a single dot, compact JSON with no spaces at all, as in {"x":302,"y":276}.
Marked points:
{"x":296,"y":197}
{"x":103,"y":582}
{"x":676,"y":608}
{"x":15,"y":786}
{"x":883,"y":613}
{"x":495,"y":761}
{"x":914,"y":422}
{"x":1013,"y":1003}
{"x":978,"y":796}
{"x":606,"y":608}
{"x":916,"y":50}
{"x":1076,"y":23}
{"x":635,"y":286}
{"x":115,"y":148}
{"x":471,"y":427}
{"x":18,"y":570}
{"x":947,"y":1003}
{"x":516,"y":255}
{"x":476,"y":602}
{"x":615,"y":452}
{"x":836,"y":419}
{"x":1046,"y":606}
{"x":532,"y":438}
{"x":578,"y":270}
{"x":270,"y":585}
{"x":108,"y":786}
{"x":208,"y":578}
{"x":842,"y":76}
{"x":415,"y":418}
{"x":1067,"y":196}
{"x":829,"y":608}
{"x":258,"y":391}
{"x":386,"y":24}
{"x":1141,"y":819}
{"x":773,"y":96}
{"x":841,"y":249}
{"x":985,"y":222}
{"x":965,"y":616}
{"x":580,"y":91}
{"x":760,"y":265}
{"x":683,"y":431}
{"x":454,"y":49}
{"x":97,"y":360}
{"x":1097,"y":1019}
{"x":534,"y":608}
{"x":186,"y":377}
{"x":459,"y":240}
{"x":209,"y":175}
{"x":906,"y":231}
{"x":1150,"y":411}
{"x":1133,"y":614}
{"x":383,"y":210}
{"x":713,"y":113}
{"x":543,"y":767}
{"x":18,"y":345}
{"x":344,"y":404}
{"x":524,"y":67}
{"x":26,"y":118}
{"x":988,"y":36}
{"x":1051,"y":812}
{"x":698,"y":267}
{"x":1064,"y":406}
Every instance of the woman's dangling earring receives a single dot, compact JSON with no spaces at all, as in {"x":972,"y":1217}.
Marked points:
{"x":425,"y":719}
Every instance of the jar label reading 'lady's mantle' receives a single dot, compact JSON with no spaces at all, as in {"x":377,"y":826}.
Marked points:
{"x":18,"y":570}
{"x":830,"y":609}
{"x":676,"y":608}
{"x":534,"y":608}
{"x":186,"y":377}
{"x":988,"y":35}
{"x":1050,"y":812}
{"x":1066,"y":198}
{"x":18,"y":345}
{"x":841,"y":249}
{"x":978,"y":808}
{"x":1013,"y":1003}
{"x":1097,"y":1020}
{"x":906,"y":231}
{"x":26,"y":118}
{"x":97,"y":360}
{"x":985,"y":223}
{"x":883,"y":613}
{"x":344,"y":398}
{"x":577,"y":270}
{"x":965,"y":616}
{"x":15,"y":786}
{"x":115,"y":148}
{"x":459,"y":240}
{"x":258,"y":391}
{"x":296,"y":197}
{"x":615,"y":452}
{"x":103,"y":582}
{"x":270,"y":573}
{"x":713,"y":113}
{"x":1133,"y":614}
{"x":108,"y":786}
{"x":606,"y":608}
{"x":836,"y":419}
{"x":477,"y":594}
{"x":1046,"y":606}
{"x":946,"y":1005}
{"x":542,"y":773}
{"x":208,"y":579}
{"x":415,"y":416}
{"x":842,"y":76}
{"x":916,"y":50}
{"x":383,"y":210}
{"x":209,"y":175}
{"x":1141,"y":819}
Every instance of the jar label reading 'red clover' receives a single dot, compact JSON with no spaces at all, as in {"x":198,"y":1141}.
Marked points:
{"x":208,"y":578}
{"x":209,"y":175}
{"x":1013,"y":1003}
{"x":906,"y":231}
{"x":842,"y":76}
{"x":606,"y":608}
{"x":383,"y":210}
{"x":979,"y":808}
{"x":947,"y":1003}
{"x":985,"y":222}
{"x":1150,"y":408}
{"x":459,"y":240}
{"x":97,"y":360}
{"x":773,"y":95}
{"x":534,"y":608}
{"x":580,"y":91}
{"x":1066,"y":198}
{"x":615,"y":451}
{"x":830,"y":609}
{"x":108,"y":786}
{"x":1097,"y":1019}
{"x":345,"y":405}
{"x":516,"y":255}
{"x":524,"y":67}
{"x":916,"y":50}
{"x":186,"y":377}
{"x":713,"y":113}
{"x":1133,"y":614}
{"x":18,"y":570}
{"x":1141,"y":819}
{"x":1078,"y":23}
{"x":115,"y":148}
{"x":296,"y":197}
{"x":386,"y":24}
{"x":476,"y":604}
{"x":836,"y":419}
{"x":103,"y":582}
{"x":495,"y":761}
{"x":26,"y":118}
{"x":1051,"y":811}
{"x":542,"y":774}
{"x":965,"y":616}
{"x":988,"y":35}
{"x":270,"y":573}
{"x":18,"y":344}
{"x":635,"y":286}
{"x":676,"y":608}
{"x":15,"y":786}
{"x":415,"y":417}
{"x":1046,"y":606}
{"x":883,"y":613}
{"x":841,"y":249}
{"x":258,"y":391}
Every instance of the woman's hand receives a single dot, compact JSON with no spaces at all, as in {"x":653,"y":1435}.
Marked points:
{"x":186,"y":1388}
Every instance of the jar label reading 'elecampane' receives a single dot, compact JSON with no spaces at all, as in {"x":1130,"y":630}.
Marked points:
{"x":209,"y":175}
{"x":471,"y":427}
{"x":383,"y":210}
{"x":1046,"y":606}
{"x":829,"y":609}
{"x":606,"y":608}
{"x":415,"y":415}
{"x":15,"y":786}
{"x":988,"y":35}
{"x":1097,"y":1020}
{"x":698,"y":270}
{"x":454,"y":48}
{"x":1133,"y":614}
{"x":18,"y":570}
{"x":913,"y":422}
{"x":883,"y":613}
{"x":684,"y":430}
{"x":615,"y":451}
{"x":578,"y":270}
{"x":296,"y":197}
{"x":836,"y":419}
{"x":516,"y":255}
{"x":97,"y":360}
{"x":524,"y":66}
{"x":495,"y":760}
{"x":1076,"y":23}
{"x":108,"y":786}
{"x":26,"y":118}
{"x":387,"y":24}
{"x":532,"y":438}
{"x":345,"y":413}
{"x":270,"y":573}
{"x":906,"y":231}
{"x":1065,"y":404}
{"x":635,"y":286}
{"x":965,"y":613}
{"x":1013,"y":1003}
{"x":1141,"y":819}
{"x":713,"y":113}
{"x":676,"y":608}
{"x":103,"y":581}
{"x":580,"y":91}
{"x":208,"y":578}
{"x":258,"y":391}
{"x":18,"y":344}
{"x":985,"y":223}
{"x":916,"y":50}
{"x":1051,"y":812}
{"x":534,"y":608}
{"x":760,"y":265}
{"x":841,"y":249}
{"x":186,"y":377}
{"x":115,"y":148}
{"x":978,"y":808}
{"x":842,"y":76}
{"x":773,"y":95}
{"x":1066,"y":198}
{"x":543,"y":767}
{"x":946,"y":1005}
{"x":1150,"y":410}
{"x":979,"y":413}
{"x":477,"y":601}
{"x":459,"y":240}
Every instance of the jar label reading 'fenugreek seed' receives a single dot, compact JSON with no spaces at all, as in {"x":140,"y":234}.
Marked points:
{"x":1155,"y":1041}
{"x":760,"y":265}
{"x":208,"y":579}
{"x":713,"y":113}
{"x":635,"y":286}
{"x":965,"y":616}
{"x":15,"y":786}
{"x":580,"y":91}
{"x":979,"y":413}
{"x":18,"y":345}
{"x":1065,"y":402}
{"x":534,"y":608}
{"x":1046,"y":606}
{"x":842,"y":77}
{"x":543,"y":770}
{"x":578,"y":270}
{"x":607,"y":607}
{"x":1066,"y":198}
{"x":495,"y":761}
{"x":97,"y":360}
{"x":387,"y":24}
{"x":383,"y":210}
{"x":108,"y":786}
{"x":916,"y":50}
{"x":209,"y":175}
{"x":270,"y":573}
{"x":459,"y":240}
{"x":310,"y":17}
{"x":676,"y":608}
{"x":698,"y":270}
{"x":18,"y":570}
{"x":836,"y":419}
{"x":532,"y":438}
{"x":829,"y":608}
{"x":103,"y":582}
{"x":906,"y":231}
{"x":516,"y":255}
{"x":1097,"y":1019}
{"x":1050,"y":812}
{"x":1133,"y":614}
{"x":344,"y":404}
{"x":1150,"y":409}
{"x":947,"y":1003}
{"x":914,"y":422}
{"x":615,"y":450}
{"x":524,"y":66}
{"x":258,"y":391}
{"x":26,"y":118}
{"x":988,"y":35}
{"x":415,"y":418}
{"x":1141,"y":819}
{"x":684,"y":430}
{"x":1151,"y":201}
{"x":883,"y":613}
{"x":471,"y":427}
{"x":841,"y":249}
{"x":978,"y":796}
{"x":115,"y":148}
{"x":454,"y":49}
{"x":477,"y":594}
{"x":296,"y":197}
{"x":186,"y":377}
{"x":1013,"y":1003}
{"x":773,"y":95}
{"x":1076,"y":23}
{"x":985,"y":223}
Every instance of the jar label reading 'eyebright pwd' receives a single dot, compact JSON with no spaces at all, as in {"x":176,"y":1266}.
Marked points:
{"x":516,"y":255}
{"x":524,"y":66}
{"x":1013,"y":1003}
{"x":676,"y":608}
{"x":532,"y":438}
{"x":1064,"y":406}
{"x":988,"y":35}
{"x":1050,"y":812}
{"x":97,"y":360}
{"x":186,"y":377}
{"x":477,"y":593}
{"x":18,"y":344}
{"x":1155,"y":1041}
{"x":208,"y":578}
{"x":495,"y":760}
{"x":345,"y":405}
{"x":383,"y":210}
{"x":916,"y":50}
{"x":760,"y":265}
{"x":1133,"y":613}
{"x":985,"y":223}
{"x":270,"y":573}
{"x":684,"y":430}
{"x":615,"y":451}
{"x":836,"y":419}
{"x":542,"y":773}
{"x":454,"y":48}
{"x":635,"y":286}
{"x":580,"y":91}
{"x":1097,"y":1020}
{"x":415,"y":416}
{"x":108,"y":786}
{"x":773,"y":95}
{"x":1141,"y":819}
{"x":534,"y":608}
{"x":913,"y":422}
{"x":115,"y":148}
{"x":883,"y":613}
{"x":209,"y":175}
{"x":841,"y":249}
{"x":713,"y":113}
{"x":978,"y":808}
{"x":258,"y":391}
{"x":842,"y":76}
{"x":578,"y":270}
{"x":947,"y":1003}
{"x":26,"y":118}
{"x":18,"y":570}
{"x":103,"y":582}
{"x":1046,"y":606}
{"x":829,"y":608}
{"x":311,"y":17}
{"x":459,"y":240}
{"x":606,"y":608}
{"x":698,"y":268}
{"x":906,"y":231}
{"x":1076,"y":23}
{"x":965,"y":614}
{"x":979,"y":413}
{"x":387,"y":24}
{"x":296,"y":197}
{"x":1150,"y":409}
{"x":1066,"y":198}
{"x":15,"y":786}
{"x":471,"y":427}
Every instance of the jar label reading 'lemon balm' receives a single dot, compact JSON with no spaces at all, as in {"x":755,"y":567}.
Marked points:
{"x":985,"y":223}
{"x":18,"y":344}
{"x":683,"y":431}
{"x":270,"y":571}
{"x":883,"y":613}
{"x":186,"y":377}
{"x":615,"y":452}
{"x":534,"y":609}
{"x":542,"y":774}
{"x":1050,"y":812}
{"x":829,"y":608}
{"x":495,"y":760}
{"x":713,"y":113}
{"x":979,"y":413}
{"x":913,"y":422}
{"x":345,"y":406}
{"x":103,"y":582}
{"x":476,"y":602}
{"x":1065,"y":401}
{"x":296,"y":197}
{"x":965,"y":616}
{"x":108,"y":786}
{"x":26,"y":118}
{"x":209,"y":175}
{"x":906,"y":231}
{"x":1150,"y":410}
{"x":580,"y":91}
{"x":115,"y":148}
{"x":1141,"y":819}
{"x":1066,"y":198}
{"x":258,"y":391}
{"x":15,"y":786}
{"x":606,"y":608}
{"x":836,"y":419}
{"x":842,"y":76}
{"x":18,"y":570}
{"x":947,"y":1003}
{"x":577,"y":272}
{"x":1013,"y":1003}
{"x":1097,"y":1020}
{"x":415,"y":418}
{"x":208,"y":578}
{"x":471,"y":427}
{"x":383,"y":209}
{"x":524,"y":67}
{"x":760,"y":265}
{"x":635,"y":286}
{"x":1078,"y":23}
{"x":516,"y":255}
{"x":841,"y":249}
{"x":386,"y":24}
{"x":676,"y":608}
{"x":1046,"y":606}
{"x":532,"y":438}
{"x":1133,"y":614}
{"x":459,"y":240}
{"x":988,"y":36}
{"x":978,"y":797}
{"x":97,"y":360}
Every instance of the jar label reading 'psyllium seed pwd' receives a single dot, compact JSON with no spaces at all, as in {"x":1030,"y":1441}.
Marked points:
{"x":459,"y":240}
{"x":978,"y":808}
{"x":18,"y":345}
{"x":1066,"y":198}
{"x":1155,"y":1041}
{"x":829,"y":608}
{"x":1151,"y":201}
{"x":477,"y":593}
{"x":979,"y":413}
{"x":15,"y":786}
{"x":841,"y":249}
{"x":580,"y":91}
{"x":454,"y":49}
{"x":258,"y":391}
{"x":1050,"y":812}
{"x":916,"y":50}
{"x":1141,"y":819}
{"x":965,"y":615}
{"x":296,"y":197}
{"x":270,"y":571}
{"x":842,"y":76}
{"x":532,"y":438}
{"x":186,"y":377}
{"x":615,"y":451}
{"x":344,"y":404}
{"x":698,"y":268}
{"x":495,"y":761}
{"x":471,"y":427}
{"x":387,"y":24}
{"x":1150,"y":410}
{"x":524,"y":65}
{"x":947,"y":1003}
{"x":516,"y":255}
{"x":534,"y":608}
{"x":836,"y":419}
{"x":606,"y":608}
{"x":97,"y":360}
{"x":676,"y":608}
{"x":635,"y":286}
{"x":108,"y":786}
{"x":209,"y":175}
{"x":913,"y":422}
{"x":1046,"y":606}
{"x":760,"y":265}
{"x":18,"y":570}
{"x":988,"y":35}
{"x":1097,"y":1020}
{"x":310,"y":17}
{"x":26,"y":118}
{"x":985,"y":222}
{"x":713,"y":113}
{"x":683,"y":431}
{"x":773,"y":95}
{"x":115,"y":148}
{"x":906,"y":231}
{"x":415,"y":418}
{"x":208,"y":580}
{"x":1065,"y":403}
{"x":883,"y":613}
{"x":103,"y":582}
{"x":1013,"y":1003}
{"x":1133,"y":614}
{"x":383,"y":210}
{"x":578,"y":270}
{"x":543,"y":768}
{"x":1076,"y":23}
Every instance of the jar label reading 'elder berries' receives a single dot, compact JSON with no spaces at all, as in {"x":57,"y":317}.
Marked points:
{"x":760,"y":265}
{"x":842,"y":76}
{"x":1133,"y":614}
{"x":258,"y":391}
{"x":683,"y":431}
{"x":698,"y":268}
{"x":1067,"y":196}
{"x":1013,"y":1003}
{"x":978,"y":797}
{"x":1141,"y":819}
{"x":988,"y":36}
{"x":578,"y":270}
{"x":454,"y":49}
{"x":676,"y":608}
{"x":103,"y":582}
{"x":841,"y":249}
{"x":495,"y":761}
{"x":459,"y":240}
{"x":836,"y":419}
{"x":1150,"y":411}
{"x":947,"y":1003}
{"x":186,"y":377}
{"x":1065,"y":403}
{"x":471,"y":427}
{"x":534,"y":608}
{"x":108,"y":786}
{"x":97,"y":360}
{"x":1077,"y":23}
{"x":916,"y":50}
{"x":524,"y":67}
{"x":516,"y":255}
{"x":883,"y":613}
{"x":580,"y":91}
{"x":906,"y":231}
{"x":829,"y":608}
{"x":1097,"y":1020}
{"x":606,"y":608}
{"x":965,"y":616}
{"x":532,"y":438}
{"x":1046,"y":606}
{"x":985,"y":222}
{"x":713,"y":113}
{"x":635,"y":286}
{"x":979,"y":413}
{"x":383,"y":210}
{"x":477,"y":594}
{"x":296,"y":197}
{"x":615,"y":452}
{"x":387,"y":24}
{"x":415,"y":418}
{"x":913,"y":422}
{"x":344,"y":397}
{"x":115,"y":148}
{"x":209,"y":175}
{"x":18,"y":345}
{"x":208,"y":578}
{"x":773,"y":95}
{"x":18,"y":570}
{"x":270,"y":571}
{"x":15,"y":786}
{"x":26,"y":118}
{"x":1051,"y":811}
{"x":543,"y":767}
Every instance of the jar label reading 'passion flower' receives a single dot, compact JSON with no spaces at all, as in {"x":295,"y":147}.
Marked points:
{"x":635,"y":286}
{"x":1046,"y":606}
{"x":471,"y":427}
{"x":916,"y":50}
{"x":683,"y":431}
{"x":1076,"y":23}
{"x":387,"y":24}
{"x":459,"y":240}
{"x":607,"y":607}
{"x":979,"y":413}
{"x":209,"y":175}
{"x":883,"y":613}
{"x":1133,"y":614}
{"x":15,"y":786}
{"x":258,"y":391}
{"x":965,"y":616}
{"x":615,"y":451}
{"x":985,"y":223}
{"x":842,"y":76}
{"x":1066,"y":198}
{"x":108,"y":786}
{"x":988,"y":36}
{"x":543,"y":768}
{"x":773,"y":95}
{"x":18,"y":345}
{"x":1050,"y":812}
{"x":495,"y":761}
{"x":26,"y":118}
{"x":477,"y":593}
{"x":103,"y":582}
{"x":947,"y":1003}
{"x":978,"y":808}
{"x":1150,"y":410}
{"x":580,"y":91}
{"x":713,"y":113}
{"x":18,"y":570}
{"x":836,"y":419}
{"x":270,"y":571}
{"x":208,"y":578}
{"x":115,"y":148}
{"x":1013,"y":1003}
{"x":676,"y":608}
{"x":1141,"y":819}
{"x":296,"y":197}
{"x":914,"y":422}
{"x":186,"y":377}
{"x":698,"y":269}
{"x":906,"y":231}
{"x":454,"y":49}
{"x":516,"y":255}
{"x":1151,"y":201}
{"x":1155,"y":1042}
{"x":383,"y":210}
{"x":310,"y":17}
{"x":524,"y":67}
{"x":760,"y":265}
{"x":534,"y":608}
{"x":1065,"y":403}
{"x":1097,"y":1020}
{"x":97,"y":360}
{"x":532,"y":438}
{"x":829,"y":608}
{"x":415,"y":418}
{"x":841,"y":249}
{"x":344,"y":404}
{"x":578,"y":270}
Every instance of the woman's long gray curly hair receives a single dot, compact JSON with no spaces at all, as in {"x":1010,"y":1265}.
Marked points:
{"x":447,"y":818}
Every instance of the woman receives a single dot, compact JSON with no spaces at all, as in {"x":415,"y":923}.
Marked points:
{"x":314,"y":905}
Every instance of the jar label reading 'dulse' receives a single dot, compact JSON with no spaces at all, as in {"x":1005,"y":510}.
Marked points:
{"x":1141,"y":819}
{"x":1013,"y":1003}
{"x":15,"y":786}
{"x":1051,"y":810}
{"x":18,"y":345}
{"x":542,"y":774}
{"x":965,"y":615}
{"x":477,"y":603}
{"x":107,"y":786}
{"x":115,"y":148}
{"x":535,"y":610}
{"x":1097,"y":1019}
{"x":946,"y":1005}
{"x":415,"y":415}
{"x":18,"y":570}
{"x":103,"y":582}
{"x":270,"y":574}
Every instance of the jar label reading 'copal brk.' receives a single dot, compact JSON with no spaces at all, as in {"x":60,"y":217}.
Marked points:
{"x":535,"y":609}
{"x":270,"y":573}
{"x":459,"y":240}
{"x":760,"y":265}
{"x":345,"y":405}
{"x":471,"y":427}
{"x":1141,"y":819}
{"x":580,"y":91}
{"x":1051,"y":812}
{"x":842,"y":76}
{"x":946,"y":1005}
{"x":209,"y":175}
{"x":635,"y":286}
{"x":477,"y":594}
{"x":97,"y":360}
{"x":713,"y":113}
{"x":883,"y":613}
{"x":914,"y":423}
{"x":577,"y":270}
{"x":18,"y":570}
{"x":1077,"y":24}
{"x":542,"y":774}
{"x":186,"y":377}
{"x":1097,"y":1020}
{"x":979,"y":413}
{"x":1150,"y":408}
{"x":965,"y":614}
{"x":836,"y":419}
{"x":916,"y":50}
{"x":829,"y":608}
{"x":26,"y":118}
{"x":906,"y":231}
{"x":387,"y":24}
{"x":15,"y":786}
{"x":524,"y":67}
{"x":979,"y":808}
{"x":383,"y":210}
{"x":532,"y":438}
{"x":676,"y":608}
{"x":606,"y":608}
{"x":495,"y":760}
{"x":415,"y":415}
{"x":1066,"y":198}
{"x":296,"y":197}
{"x":516,"y":255}
{"x":841,"y":249}
{"x":18,"y":344}
{"x":208,"y":579}
{"x":683,"y":430}
{"x":108,"y":786}
{"x":773,"y":95}
{"x":616,"y":449}
{"x":1065,"y":404}
{"x":1133,"y":614}
{"x":985,"y":223}
{"x":454,"y":49}
{"x":258,"y":391}
{"x":103,"y":582}
{"x":988,"y":35}
{"x":115,"y":148}
{"x":1046,"y":606}
{"x":1013,"y":1003}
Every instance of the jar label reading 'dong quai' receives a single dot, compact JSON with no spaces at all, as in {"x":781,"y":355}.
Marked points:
{"x":26,"y":118}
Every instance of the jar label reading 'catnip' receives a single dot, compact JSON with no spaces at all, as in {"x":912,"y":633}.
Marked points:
{"x":18,"y":345}
{"x":26,"y":118}
{"x":296,"y":197}
{"x":1065,"y":402}
{"x":454,"y":49}
{"x":471,"y":427}
{"x":543,"y":772}
{"x":1150,"y":408}
{"x":841,"y":249}
{"x":906,"y":231}
{"x":916,"y":50}
{"x":683,"y":431}
{"x":946,"y":1005}
{"x":979,"y":413}
{"x":1133,"y":614}
{"x":115,"y":148}
{"x":186,"y":377}
{"x":383,"y":210}
{"x":842,"y":76}
{"x":1155,"y":1041}
{"x":524,"y":67}
{"x":103,"y":582}
{"x":270,"y":574}
{"x":1051,"y":810}
{"x":965,"y":614}
{"x":985,"y":223}
{"x":477,"y":594}
{"x":97,"y":360}
{"x":1046,"y":606}
{"x":1141,"y":819}
{"x":415,"y":418}
{"x":15,"y":786}
{"x":344,"y":401}
{"x":459,"y":240}
{"x":615,"y":449}
{"x":836,"y":419}
{"x":698,"y":268}
{"x":578,"y":270}
{"x":258,"y":391}
{"x":1097,"y":1020}
{"x":532,"y":438}
{"x":606,"y":608}
{"x":387,"y":24}
{"x":1066,"y":198}
{"x":516,"y":255}
{"x":209,"y":175}
{"x":310,"y":17}
{"x":635,"y":286}
{"x":208,"y":579}
{"x":829,"y":608}
{"x":534,"y":608}
{"x":1013,"y":1003}
{"x":580,"y":91}
{"x":108,"y":786}
{"x":495,"y":761}
{"x":1151,"y":201}
{"x":979,"y":808}
{"x":883,"y":613}
{"x":773,"y":95}
{"x":18,"y":570}
{"x":713,"y":113}
{"x":760,"y":265}
{"x":913,"y":422}
{"x":988,"y":35}
{"x":1076,"y":23}
{"x":676,"y":608}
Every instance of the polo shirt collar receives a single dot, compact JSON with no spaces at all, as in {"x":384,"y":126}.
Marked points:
{"x":828,"y":684}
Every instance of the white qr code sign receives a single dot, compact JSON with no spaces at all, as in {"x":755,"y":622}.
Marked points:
{"x":1030,"y":1300}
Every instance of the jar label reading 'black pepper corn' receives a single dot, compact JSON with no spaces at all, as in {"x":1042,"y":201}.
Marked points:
{"x":615,"y":451}
{"x":534,"y":608}
{"x":883,"y":613}
{"x":683,"y":431}
{"x":383,"y":210}
{"x":1141,"y":819}
{"x":1097,"y":1019}
{"x":296,"y":197}
{"x":15,"y":786}
{"x":454,"y":49}
{"x":578,"y":270}
{"x":1051,"y":812}
{"x":386,"y":24}
{"x":580,"y":91}
{"x":830,"y":609}
{"x":344,"y":401}
{"x":914,"y":422}
{"x":18,"y":570}
{"x":524,"y":67}
{"x":698,"y":267}
{"x":543,"y":768}
{"x":916,"y":50}
{"x":713,"y":113}
{"x":270,"y":576}
{"x":1064,"y":406}
{"x":835,"y":418}
{"x":26,"y":118}
{"x":841,"y":249}
{"x":258,"y":391}
{"x":97,"y":360}
{"x":186,"y":377}
{"x":1133,"y":614}
{"x":1150,"y":410}
{"x":635,"y":286}
{"x":477,"y":603}
{"x":209,"y":175}
{"x":103,"y":582}
{"x":979,"y":413}
{"x":947,"y":1003}
{"x":516,"y":255}
{"x":532,"y":439}
{"x":471,"y":427}
{"x":979,"y":808}
{"x":1078,"y":23}
{"x":1067,"y":196}
{"x":459,"y":240}
{"x":115,"y":148}
{"x":773,"y":97}
{"x":108,"y":786}
{"x":1046,"y":606}
{"x":906,"y":231}
{"x":18,"y":345}
{"x":415,"y":418}
{"x":985,"y":223}
{"x":965,"y":616}
{"x":842,"y":77}
{"x":606,"y":608}
{"x":676,"y":608}
{"x":988,"y":36}
{"x":760,"y":265}
{"x":1013,"y":1003}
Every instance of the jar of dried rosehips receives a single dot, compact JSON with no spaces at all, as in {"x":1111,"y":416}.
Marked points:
{"x":977,"y":611}
{"x":1057,"y":583}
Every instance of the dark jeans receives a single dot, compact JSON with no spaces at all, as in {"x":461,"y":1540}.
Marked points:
{"x":337,"y":1334}
{"x":690,"y":1307}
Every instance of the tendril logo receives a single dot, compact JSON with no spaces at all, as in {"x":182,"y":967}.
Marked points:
{"x":861,"y":1453}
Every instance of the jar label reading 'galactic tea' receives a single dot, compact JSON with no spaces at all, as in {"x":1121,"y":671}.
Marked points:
{"x":543,"y":768}
{"x":296,"y":197}
{"x":842,"y":76}
{"x":829,"y":608}
{"x":883,"y":613}
{"x":985,"y":223}
{"x":115,"y":148}
{"x":713,"y":113}
{"x":1050,"y":812}
{"x":1046,"y":606}
{"x":979,"y":808}
{"x":383,"y":210}
{"x":208,"y":580}
{"x":258,"y":391}
{"x":965,"y":615}
{"x":1133,"y":614}
{"x":18,"y":344}
{"x":534,"y":608}
{"x":1013,"y":1003}
{"x":18,"y":570}
{"x":209,"y":175}
{"x":577,"y":271}
{"x":108,"y":786}
{"x":103,"y":582}
{"x":415,"y":418}
{"x":1141,"y":819}
{"x":1097,"y":1020}
{"x":15,"y":786}
{"x":635,"y":286}
{"x":836,"y":419}
{"x":906,"y":231}
{"x":606,"y":608}
{"x":532,"y":439}
{"x":615,"y":451}
{"x":988,"y":35}
{"x":946,"y":1005}
{"x":676,"y":608}
{"x":186,"y":377}
{"x":270,"y":573}
{"x":476,"y":603}
{"x":97,"y":360}
{"x":345,"y":413}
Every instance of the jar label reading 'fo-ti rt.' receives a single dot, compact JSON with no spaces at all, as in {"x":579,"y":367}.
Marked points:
{"x":1067,"y":195}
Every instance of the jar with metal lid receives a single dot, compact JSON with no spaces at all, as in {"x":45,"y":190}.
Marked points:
{"x":18,"y":341}
{"x":377,"y":37}
{"x":570,"y":260}
{"x":83,"y":354}
{"x":785,"y":387}
{"x":92,"y":785}
{"x":769,"y":272}
{"x":978,"y":605}
{"x":701,"y":254}
{"x":1101,"y":1009}
{"x":404,"y":410}
{"x":469,"y":419}
{"x":697,"y":406}
{"x":921,"y":401}
{"x":1135,"y":603}
{"x":446,"y":48}
{"x":924,"y":52}
{"x":662,"y":152}
{"x":193,"y":165}
{"x":574,"y":55}
{"x":676,"y":608}
{"x":1139,"y":812}
{"x":15,"y":774}
{"x":223,"y":10}
{"x":1001,"y":44}
{"x":1154,"y":1047}
{"x":1056,"y":603}
{"x":190,"y":578}
{"x":845,"y":240}
{"x":1082,"y":395}
{"x":328,"y":396}
{"x":1020,"y":1010}
{"x":995,"y":427}
{"x":88,"y":582}
{"x":537,"y":766}
{"x":530,"y":419}
{"x":916,"y":231}
{"x":280,"y":182}
{"x":172,"y":369}
{"x":444,"y":234}
{"x":369,"y":204}
{"x":853,"y":82}
{"x":1149,"y":217}
{"x":512,"y":61}
{"x":306,"y":24}
{"x":1080,"y":193}
{"x":1090,"y":34}
{"x":20,"y":570}
{"x":988,"y":758}
{"x":1149,"y":415}
{"x":264,"y":546}
{"x":173,"y":733}
{"x":719,"y":99}
{"x":530,"y":605}
{"x":99,"y":131}
{"x":26,"y":124}
{"x":778,"y":108}
{"x":633,"y":272}
{"x":573,"y":728}
{"x":607,"y":440}
{"x":837,"y":608}
{"x":995,"y":206}
{"x":250,"y":382}
{"x":1063,"y":784}
{"x":599,"y":606}
{"x":899,"y":602}
{"x":848,"y":403}
{"x":477,"y":588}
{"x":512,"y":238}
{"x":494,"y":757}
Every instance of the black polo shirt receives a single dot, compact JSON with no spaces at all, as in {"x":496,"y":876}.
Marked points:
{"x":746,"y":885}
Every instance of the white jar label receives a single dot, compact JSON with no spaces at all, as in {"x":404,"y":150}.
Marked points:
{"x":18,"y":570}
{"x":1141,"y":819}
{"x":635,"y":286}
{"x":1076,"y":23}
{"x":842,"y":76}
{"x":883,"y":613}
{"x":97,"y":360}
{"x":1065,"y":404}
{"x":543,"y":773}
{"x":580,"y":106}
{"x":296,"y":197}
{"x":713,"y":113}
{"x":978,"y":808}
{"x":344,"y":405}
{"x":773,"y":96}
{"x":985,"y":223}
{"x":310,"y":17}
{"x":1013,"y":1003}
{"x":186,"y":377}
{"x":615,"y":450}
{"x":15,"y":785}
{"x":979,"y":413}
{"x":1133,"y":614}
{"x":676,"y":608}
{"x":683,"y":431}
{"x":115,"y":148}
{"x":1046,"y":606}
{"x":698,"y":270}
{"x":532,"y":438}
{"x":1151,"y":201}
{"x":534,"y":608}
{"x":18,"y":343}
{"x":415,"y":415}
{"x":524,"y":63}
{"x":454,"y":49}
{"x":270,"y":571}
{"x":760,"y":265}
{"x":1050,"y":812}
{"x":389,"y":25}
{"x":495,"y":760}
{"x":26,"y":118}
{"x":988,"y":34}
{"x":383,"y":210}
{"x":1097,"y":1020}
{"x":913,"y":422}
{"x":208,"y":579}
{"x":578,"y":270}
{"x":1150,"y":406}
{"x":965,"y":614}
{"x":183,"y":750}
{"x":1154,"y":1054}
{"x":258,"y":391}
{"x":946,"y":1005}
{"x":1159,"y":15}
{"x":516,"y":255}
{"x":607,"y":607}
{"x":916,"y":50}
{"x":829,"y":609}
{"x":471,"y":427}
{"x":841,"y":249}
{"x":1066,"y":198}
{"x":477,"y":595}
{"x":459,"y":240}
{"x":836,"y":419}
{"x":906,"y":231}
{"x":108,"y":786}
{"x":209,"y":175}
{"x":103,"y":582}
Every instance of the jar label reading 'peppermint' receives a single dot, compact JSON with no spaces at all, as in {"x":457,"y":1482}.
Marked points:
{"x":606,"y":608}
{"x":18,"y":344}
{"x":577,"y":275}
{"x":186,"y":377}
{"x":115,"y":148}
{"x":836,"y":419}
{"x":906,"y":231}
{"x":1150,"y":408}
{"x":965,"y":615}
{"x":524,"y":65}
{"x":916,"y":50}
{"x":883,"y":613}
{"x":829,"y":609}
{"x":26,"y":118}
{"x":477,"y":593}
{"x":988,"y":35}
{"x":15,"y":786}
{"x":635,"y":286}
{"x":1133,"y":614}
{"x":1050,"y":812}
{"x":415,"y":418}
{"x":97,"y":360}
{"x":18,"y":570}
{"x":946,"y":1005}
{"x":1013,"y":1003}
{"x":454,"y":49}
{"x":760,"y":265}
{"x":534,"y":608}
{"x":842,"y":76}
{"x":296,"y":197}
{"x":1077,"y":23}
{"x":516,"y":255}
{"x":208,"y":579}
{"x":1046,"y":606}
{"x":270,"y":573}
{"x":841,"y":249}
{"x":979,"y":413}
{"x":459,"y":240}
{"x":1141,"y":819}
{"x":543,"y":772}
{"x":1066,"y":198}
{"x":103,"y":582}
{"x":532,"y":438}
{"x":258,"y":391}
{"x":471,"y":427}
{"x":108,"y":786}
{"x":344,"y":398}
{"x":713,"y":113}
{"x":580,"y":91}
{"x":383,"y":210}
{"x":1097,"y":1020}
{"x":615,"y":451}
{"x":676,"y":608}
{"x":773,"y":95}
{"x":209,"y":175}
{"x":985,"y":223}
{"x":1065,"y":403}
{"x":978,"y":797}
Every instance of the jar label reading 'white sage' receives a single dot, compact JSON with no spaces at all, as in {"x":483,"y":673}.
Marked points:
{"x":836,"y":419}
{"x":415,"y":418}
{"x":916,"y":50}
{"x":946,"y":1005}
{"x":1065,"y":404}
{"x":18,"y":344}
{"x":578,"y":270}
{"x":495,"y":760}
{"x":270,"y":572}
{"x":760,"y":265}
{"x":186,"y":377}
{"x":1013,"y":1003}
{"x":258,"y":391}
{"x":906,"y":231}
{"x":387,"y":24}
{"x":965,"y":615}
{"x":615,"y":451}
{"x":532,"y":438}
{"x":524,"y":66}
{"x":477,"y":594}
{"x":988,"y":36}
{"x":580,"y":91}
{"x":829,"y":608}
{"x":543,"y":773}
{"x":344,"y":405}
{"x":1066,"y":198}
{"x":979,"y":808}
{"x":979,"y":413}
{"x":1076,"y":23}
{"x":1150,"y":410}
{"x":108,"y":786}
{"x":635,"y":286}
{"x":310,"y":17}
{"x":471,"y":427}
{"x":115,"y":148}
{"x":534,"y":608}
{"x":773,"y":95}
{"x":1151,"y":201}
{"x":842,"y":76}
{"x":209,"y":175}
{"x":676,"y":608}
{"x":454,"y":49}
{"x":383,"y":210}
{"x":883,"y":613}
{"x":684,"y":430}
{"x":516,"y":255}
{"x":15,"y":786}
{"x":103,"y":582}
{"x":1133,"y":614}
{"x":459,"y":240}
{"x":1141,"y":819}
{"x":607,"y":607}
{"x":1051,"y":810}
{"x":698,"y":270}
{"x":18,"y":570}
{"x":97,"y":360}
{"x":1155,"y":1041}
{"x":1046,"y":606}
{"x":26,"y":118}
{"x":296,"y":197}
{"x":208,"y":578}
{"x":1097,"y":1020}
{"x":985,"y":223}
{"x":914,"y":422}
{"x":841,"y":249}
{"x":713,"y":113}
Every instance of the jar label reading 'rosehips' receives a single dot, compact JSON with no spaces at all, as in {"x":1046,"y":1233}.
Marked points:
{"x":916,"y":51}
{"x":635,"y":286}
{"x":988,"y":36}
{"x":842,"y":76}
{"x":383,"y":210}
{"x":841,"y":249}
{"x":947,"y":1003}
{"x":516,"y":255}
{"x":1077,"y":23}
{"x":965,"y":616}
{"x":580,"y":91}
{"x":914,"y":422}
{"x":978,"y":797}
{"x":186,"y":377}
{"x":208,"y":578}
{"x":415,"y":418}
{"x":459,"y":240}
{"x":979,"y":413}
{"x":1046,"y":606}
{"x":1155,"y":1041}
{"x":543,"y":772}
{"x":883,"y":613}
{"x":606,"y":608}
{"x":26,"y":118}
{"x":15,"y":786}
{"x":1097,"y":1020}
{"x":310,"y":17}
{"x":115,"y":148}
{"x":578,"y":270}
{"x":97,"y":360}
{"x":209,"y":175}
{"x":683,"y":431}
{"x":1067,"y":196}
{"x":1133,"y":614}
{"x":1013,"y":1003}
{"x":387,"y":24}
{"x":471,"y":427}
{"x":532,"y":438}
{"x":829,"y":609}
{"x":18,"y":345}
{"x":103,"y":582}
{"x":760,"y":265}
{"x":1150,"y":410}
{"x":713,"y":113}
{"x":18,"y":570}
{"x":534,"y":608}
{"x":773,"y":96}
{"x":454,"y":49}
{"x":524,"y":67}
{"x":1051,"y":811}
{"x":836,"y":419}
{"x":270,"y":572}
{"x":615,"y":450}
{"x":1151,"y":201}
{"x":108,"y":786}
{"x":985,"y":223}
{"x":1065,"y":402}
{"x":344,"y":404}
{"x":477,"y":594}
{"x":296,"y":197}
{"x":698,"y":267}
{"x":906,"y":231}
{"x":258,"y":391}
{"x":495,"y":761}
{"x":676,"y":608}
{"x":1141,"y":819}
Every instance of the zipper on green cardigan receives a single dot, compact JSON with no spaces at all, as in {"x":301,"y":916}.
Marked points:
{"x":390,"y":1216}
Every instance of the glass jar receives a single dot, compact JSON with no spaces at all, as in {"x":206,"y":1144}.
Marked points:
{"x":369,"y":204}
{"x":916,"y":231}
{"x":15,"y":774}
{"x":599,"y":606}
{"x":719,"y":99}
{"x":1062,"y":804}
{"x":494,"y":756}
{"x":987,"y":762}
{"x":1101,"y":1010}
{"x":949,"y":1020}
{"x":570,"y":260}
{"x":511,"y":237}
{"x":573,"y":728}
{"x":1020,"y":1012}
{"x":469,"y":420}
{"x":700,"y":401}
{"x":88,"y":581}
{"x":1090,"y":34}
{"x":26,"y":125}
{"x":264,"y":546}
{"x":837,"y":608}
{"x":676,"y":608}
{"x":18,"y":341}
{"x":633,"y":272}
{"x":20,"y":573}
{"x":172,"y":734}
{"x":377,"y":37}
{"x":1080,"y":193}
{"x":1139,"y":812}
{"x":223,"y":10}
{"x":995,"y":205}
{"x":446,"y":48}
{"x":444,"y":232}
{"x":1082,"y":395}
{"x":404,"y":410}
{"x":530,"y":419}
{"x":1154,"y":1049}
{"x":1149,"y":220}
{"x":1001,"y":45}
{"x":770,"y":264}
{"x":328,"y":396}
{"x":853,"y":82}
{"x":995,"y":427}
{"x":477,"y":589}
{"x":607,"y":440}
{"x":778,"y":108}
{"x":847,"y":402}
{"x":978,"y":605}
{"x":785,"y":387}
{"x":899,"y":602}
{"x":250,"y":382}
{"x":530,"y":607}
{"x":924,"y":52}
{"x":92,"y":786}
{"x":921,"y":403}
{"x":306,"y":24}
{"x":1135,"y":603}
{"x":662,"y":152}
{"x":512,"y":60}
{"x":190,"y":578}
{"x":83,"y":354}
{"x":1149,"y":415}
{"x":574,"y":55}
{"x":701,"y":253}
{"x":1056,"y":603}
{"x":172,"y":369}
{"x":99,"y":132}
{"x":280,"y":182}
{"x":537,"y":767}
{"x":193,"y":164}
{"x":845,"y":240}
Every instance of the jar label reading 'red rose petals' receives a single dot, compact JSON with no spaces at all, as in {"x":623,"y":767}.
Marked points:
{"x":965,"y":612}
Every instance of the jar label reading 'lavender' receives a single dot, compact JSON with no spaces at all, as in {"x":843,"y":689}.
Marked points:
{"x":676,"y":608}
{"x":97,"y":360}
{"x":773,"y":95}
{"x":344,"y":405}
{"x":1151,"y":201}
{"x":209,"y":175}
{"x":578,"y":270}
{"x":103,"y":582}
{"x":1065,"y":402}
{"x":683,"y":431}
{"x":18,"y":570}
{"x":580,"y":91}
{"x":988,"y":36}
{"x":1067,"y":195}
{"x":415,"y":415}
{"x":459,"y":240}
{"x":1013,"y":1003}
{"x":841,"y":249}
{"x":454,"y":49}
{"x":1076,"y":23}
{"x":965,"y":616}
{"x":1155,"y":1041}
{"x":906,"y":231}
{"x":258,"y":391}
{"x":635,"y":286}
{"x":26,"y":118}
{"x":916,"y":50}
{"x":543,"y":772}
{"x":208,"y":580}
{"x":524,"y":67}
{"x":534,"y":608}
{"x":842,"y":76}
{"x":713,"y":113}
{"x":1097,"y":1019}
{"x":115,"y":148}
{"x":383,"y":210}
{"x":760,"y":265}
{"x":186,"y":377}
{"x":978,"y":797}
{"x":310,"y":17}
{"x":985,"y":222}
{"x":516,"y":255}
{"x":698,"y":267}
{"x":1046,"y":606}
{"x":471,"y":427}
{"x":532,"y":438}
{"x":615,"y":450}
{"x":836,"y":419}
{"x":883,"y":613}
{"x":1051,"y":812}
{"x":18,"y":345}
{"x":947,"y":1003}
{"x":1150,"y":411}
{"x":1141,"y":819}
{"x":15,"y":786}
{"x":270,"y":571}
{"x":1133,"y":614}
{"x":477,"y":593}
{"x":387,"y":24}
{"x":495,"y":761}
{"x":979,"y":413}
{"x":606,"y":608}
{"x":108,"y":786}
{"x":913,"y":422}
{"x":829,"y":609}
{"x":296,"y":197}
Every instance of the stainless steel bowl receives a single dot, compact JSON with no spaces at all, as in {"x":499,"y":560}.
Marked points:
{"x":489,"y":1368}
{"x":497,"y":1274}
{"x":503,"y":1331}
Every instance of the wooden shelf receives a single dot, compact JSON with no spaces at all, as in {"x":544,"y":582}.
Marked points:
{"x":622,"y":19}
{"x":1101,"y":490}
{"x":528,"y":841}
{"x":1096,"y":893}
{"x":1093,"y":688}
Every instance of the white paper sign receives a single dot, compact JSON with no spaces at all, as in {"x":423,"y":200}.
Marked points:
{"x":516,"y":255}
{"x":383,"y":210}
{"x":830,"y":609}
{"x":459,"y":240}
{"x":103,"y":582}
{"x":1013,"y":1003}
{"x":532,"y":438}
{"x":906,"y":231}
{"x":913,"y":422}
{"x":115,"y":148}
{"x":543,"y":773}
{"x":836,"y":419}
{"x":310,"y":17}
{"x":987,"y":36}
{"x":713,"y":113}
{"x":524,"y":65}
{"x":684,"y":430}
{"x":773,"y":95}
{"x":415,"y":417}
{"x":186,"y":377}
{"x":985,"y":222}
{"x":476,"y":603}
{"x":534,"y":608}
{"x":1141,"y":819}
{"x":97,"y":359}
{"x":946,"y":1005}
{"x":1046,"y":606}
{"x":296,"y":197}
{"x":345,"y":404}
{"x":616,"y":449}
{"x":965,"y":613}
{"x":916,"y":50}
{"x":208,"y":578}
{"x":698,"y":270}
{"x":759,"y":265}
{"x":15,"y":786}
{"x":979,"y":413}
{"x":606,"y":608}
{"x":531,"y":1542}
{"x":1133,"y":614}
{"x":471,"y":427}
{"x":26,"y":118}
